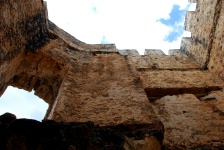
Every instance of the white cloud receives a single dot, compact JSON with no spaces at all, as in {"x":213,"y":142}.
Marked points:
{"x":130,"y":24}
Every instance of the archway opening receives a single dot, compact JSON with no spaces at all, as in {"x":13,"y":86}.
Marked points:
{"x":23,"y":104}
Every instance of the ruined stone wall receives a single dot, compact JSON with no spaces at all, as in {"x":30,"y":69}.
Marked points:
{"x":177,"y":96}
{"x":215,"y":63}
{"x":22,"y":28}
{"x":205,"y":44}
{"x":201,"y":23}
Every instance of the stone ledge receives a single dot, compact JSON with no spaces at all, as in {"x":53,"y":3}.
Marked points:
{"x":161,"y":83}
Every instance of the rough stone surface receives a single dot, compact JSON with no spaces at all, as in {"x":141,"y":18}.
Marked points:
{"x":31,"y":134}
{"x":129,"y":98}
{"x":191,"y":123}
{"x":217,"y":52}
{"x":128,"y":52}
{"x":201,"y":24}
{"x":153,"y":52}
{"x":165,"y":82}
{"x":157,"y":61}
{"x":27,"y":31}
{"x":179,"y":79}
{"x":100,"y":92}
{"x":175,"y":52}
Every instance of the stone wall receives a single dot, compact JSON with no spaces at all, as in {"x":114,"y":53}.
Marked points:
{"x":202,"y":25}
{"x":205,"y":44}
{"x":215,"y":63}
{"x":27,"y":31}
{"x":177,"y":96}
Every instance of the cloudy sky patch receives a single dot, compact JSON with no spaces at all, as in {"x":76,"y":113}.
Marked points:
{"x":130,"y":24}
{"x":175,"y":21}
{"x":22,"y":103}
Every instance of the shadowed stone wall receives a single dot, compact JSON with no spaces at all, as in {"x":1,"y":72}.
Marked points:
{"x":178,"y":96}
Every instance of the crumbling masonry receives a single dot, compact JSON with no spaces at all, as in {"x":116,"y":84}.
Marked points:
{"x":173,"y":101}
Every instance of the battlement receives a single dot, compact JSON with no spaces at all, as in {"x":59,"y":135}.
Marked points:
{"x":153,"y":52}
{"x":153,"y":100}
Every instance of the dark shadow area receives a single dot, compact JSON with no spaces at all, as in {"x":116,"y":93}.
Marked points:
{"x":157,"y":93}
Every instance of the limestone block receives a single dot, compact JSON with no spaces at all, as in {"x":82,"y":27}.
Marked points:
{"x":195,"y":49}
{"x":161,"y":62}
{"x":161,"y":83}
{"x":103,"y":89}
{"x":175,"y":52}
{"x":153,"y":52}
{"x":129,"y":52}
{"x":191,"y":123}
{"x":217,"y":50}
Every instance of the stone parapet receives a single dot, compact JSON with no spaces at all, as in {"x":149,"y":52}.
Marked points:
{"x":158,"y":61}
{"x":127,"y":52}
{"x":135,"y":95}
{"x":175,"y":52}
{"x":153,"y":52}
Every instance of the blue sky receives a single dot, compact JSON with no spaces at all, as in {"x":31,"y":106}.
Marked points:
{"x":22,"y":103}
{"x":130,"y":24}
{"x":175,"y":21}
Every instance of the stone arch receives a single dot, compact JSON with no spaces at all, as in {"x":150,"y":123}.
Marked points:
{"x":41,"y":73}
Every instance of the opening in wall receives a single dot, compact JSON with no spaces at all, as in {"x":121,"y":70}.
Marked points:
{"x":23,"y":104}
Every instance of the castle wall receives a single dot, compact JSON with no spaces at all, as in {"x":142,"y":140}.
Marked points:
{"x":157,"y":60}
{"x":131,"y":93}
{"x":215,"y":64}
{"x":190,"y":122}
{"x":22,"y":28}
{"x":201,"y":23}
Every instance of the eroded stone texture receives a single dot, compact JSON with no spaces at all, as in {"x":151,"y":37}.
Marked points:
{"x":153,"y":52}
{"x":98,"y":83}
{"x":160,"y":83}
{"x":27,"y":31}
{"x":101,"y":86}
{"x":179,"y":79}
{"x":217,"y":53}
{"x":201,"y":24}
{"x":160,"y":62}
{"x":191,"y":123}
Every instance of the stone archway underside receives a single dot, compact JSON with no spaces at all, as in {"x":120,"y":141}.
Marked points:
{"x":98,"y":83}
